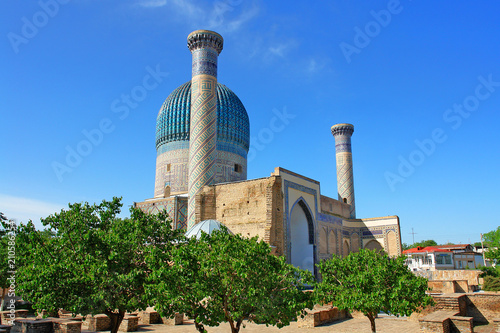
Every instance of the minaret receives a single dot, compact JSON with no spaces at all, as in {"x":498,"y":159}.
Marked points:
{"x":205,"y":46}
{"x":345,"y":180}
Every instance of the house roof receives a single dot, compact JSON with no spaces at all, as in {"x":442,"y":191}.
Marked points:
{"x":454,"y":246}
{"x":427,"y":249}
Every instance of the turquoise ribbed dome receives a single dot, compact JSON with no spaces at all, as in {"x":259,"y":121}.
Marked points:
{"x":172,"y":123}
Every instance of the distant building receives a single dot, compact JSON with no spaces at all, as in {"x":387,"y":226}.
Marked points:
{"x":429,"y":258}
{"x":443,"y":257}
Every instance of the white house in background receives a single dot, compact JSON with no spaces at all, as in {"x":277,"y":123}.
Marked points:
{"x":464,"y":260}
{"x":429,"y":258}
{"x":441,"y":257}
{"x":489,"y":262}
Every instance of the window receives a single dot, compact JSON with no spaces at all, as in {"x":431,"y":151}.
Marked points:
{"x":168,"y":167}
{"x":443,"y":259}
{"x":345,"y":200}
{"x":238,"y":168}
{"x":428,"y":260}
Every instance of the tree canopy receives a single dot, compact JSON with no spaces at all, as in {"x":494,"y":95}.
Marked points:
{"x":227,"y":278}
{"x":371,"y":282}
{"x":89,"y":261}
{"x":424,"y":243}
{"x":7,"y":262}
{"x":492,"y":241}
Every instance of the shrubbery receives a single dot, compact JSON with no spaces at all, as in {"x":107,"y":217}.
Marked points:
{"x":489,"y":271}
{"x":491,"y":283}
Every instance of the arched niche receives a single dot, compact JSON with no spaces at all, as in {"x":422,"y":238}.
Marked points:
{"x":302,"y":249}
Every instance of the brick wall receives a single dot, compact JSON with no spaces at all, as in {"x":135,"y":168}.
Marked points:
{"x":335,"y":207}
{"x":433,"y":327}
{"x":471,"y":276}
{"x":250,"y":208}
{"x":484,"y":307}
{"x":445,"y":287}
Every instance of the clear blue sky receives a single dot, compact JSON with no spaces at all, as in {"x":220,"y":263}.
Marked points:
{"x":419,"y":80}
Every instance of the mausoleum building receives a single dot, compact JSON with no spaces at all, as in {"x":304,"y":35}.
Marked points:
{"x":202,"y":142}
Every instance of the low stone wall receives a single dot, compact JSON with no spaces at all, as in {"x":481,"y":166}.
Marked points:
{"x":445,"y":287}
{"x":67,"y":326}
{"x":319,"y":316}
{"x":469,"y":275}
{"x":178,"y":319}
{"x":461,"y":324}
{"x":7,"y":317}
{"x":129,"y":324}
{"x":148,"y":317}
{"x":6,"y":328}
{"x":99,"y":322}
{"x":37,"y":326}
{"x":483,"y":307}
{"x":436,"y":322}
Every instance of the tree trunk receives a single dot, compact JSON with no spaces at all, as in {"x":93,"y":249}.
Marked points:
{"x":234,"y":329}
{"x":372,"y":321}
{"x":116,"y":319}
{"x":3,"y":299}
{"x":238,"y":325}
{"x":199,"y":327}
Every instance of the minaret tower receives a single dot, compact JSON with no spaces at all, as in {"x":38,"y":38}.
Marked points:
{"x":345,"y":180}
{"x":205,"y":46}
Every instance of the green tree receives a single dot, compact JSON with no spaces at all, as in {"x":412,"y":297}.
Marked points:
{"x":228,"y":278}
{"x":90,"y":261}
{"x":492,"y":242}
{"x":4,"y":256}
{"x":491,"y":283}
{"x":371,"y":282}
{"x":425,"y":243}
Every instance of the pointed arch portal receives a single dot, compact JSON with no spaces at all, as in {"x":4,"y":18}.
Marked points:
{"x":302,"y":233}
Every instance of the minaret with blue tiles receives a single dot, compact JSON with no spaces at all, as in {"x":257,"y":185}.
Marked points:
{"x":345,"y":178}
{"x":205,"y":47}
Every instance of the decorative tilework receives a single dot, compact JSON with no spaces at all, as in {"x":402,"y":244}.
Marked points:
{"x":173,"y":121}
{"x":203,"y":39}
{"x":175,"y":207}
{"x":178,"y":175}
{"x":329,"y":219}
{"x":205,"y":47}
{"x":205,"y":62}
{"x":287,"y":185}
{"x":203,"y":138}
{"x":372,"y":232}
{"x":345,"y":177}
{"x":182,"y":208}
{"x":171,"y":146}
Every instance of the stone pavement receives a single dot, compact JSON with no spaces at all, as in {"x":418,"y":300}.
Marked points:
{"x":357,"y":325}
{"x":362,"y":325}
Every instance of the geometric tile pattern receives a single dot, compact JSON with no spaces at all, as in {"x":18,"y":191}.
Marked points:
{"x":176,"y":209}
{"x":329,"y":219}
{"x":345,"y":178}
{"x":205,"y":46}
{"x":173,"y":121}
{"x":178,"y":174}
{"x":203,"y":138}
